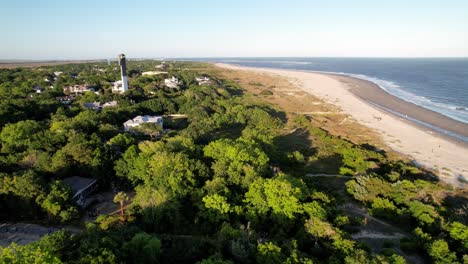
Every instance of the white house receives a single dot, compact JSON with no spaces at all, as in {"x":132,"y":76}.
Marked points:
{"x":117,"y":87}
{"x":137,"y":121}
{"x":172,"y":82}
{"x":78,"y":89}
{"x":66,"y":99}
{"x":161,"y":66}
{"x":99,"y":105}
{"x":202,"y":80}
{"x":109,"y":104}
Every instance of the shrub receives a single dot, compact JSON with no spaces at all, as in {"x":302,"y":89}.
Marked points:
{"x":266,"y":92}
{"x":382,"y":207}
{"x":440,"y":252}
{"x":269,"y":253}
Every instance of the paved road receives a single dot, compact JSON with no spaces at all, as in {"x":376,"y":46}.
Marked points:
{"x":24,"y":233}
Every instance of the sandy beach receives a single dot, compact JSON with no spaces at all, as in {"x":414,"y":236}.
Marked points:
{"x":358,"y":99}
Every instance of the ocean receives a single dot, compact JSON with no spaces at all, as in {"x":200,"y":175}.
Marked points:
{"x":438,"y":84}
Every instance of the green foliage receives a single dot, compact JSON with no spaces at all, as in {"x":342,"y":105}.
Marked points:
{"x":345,"y":246}
{"x":301,"y":120}
{"x":205,"y":188}
{"x":279,"y":196}
{"x":155,"y":166}
{"x":122,"y":141}
{"x":15,"y":254}
{"x":425,"y":214}
{"x":174,"y":171}
{"x":239,"y":161}
{"x":217,"y":207}
{"x":402,"y":191}
{"x":440,"y":253}
{"x":215,"y":259}
{"x":57,"y":203}
{"x":342,"y":220}
{"x":19,"y":136}
{"x":151,"y":129}
{"x":354,"y":161}
{"x":87,"y":120}
{"x":159,"y":211}
{"x":319,"y":228}
{"x":314,"y":209}
{"x":366,"y":188}
{"x":269,"y":253}
{"x":26,"y":186}
{"x":390,"y":258}
{"x":120,"y":197}
{"x":459,"y":231}
{"x":296,"y":256}
{"x":383,"y":207}
{"x":105,"y":222}
{"x":143,"y":248}
{"x":297,"y":157}
{"x":359,"y":256}
{"x":421,"y":236}
{"x":393,"y":176}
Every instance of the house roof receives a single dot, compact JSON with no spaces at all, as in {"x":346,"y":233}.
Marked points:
{"x":143,"y":119}
{"x":111,"y":103}
{"x":92,"y":104}
{"x":77,"y":183}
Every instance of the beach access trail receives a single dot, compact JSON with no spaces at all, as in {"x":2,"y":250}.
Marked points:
{"x":425,"y":147}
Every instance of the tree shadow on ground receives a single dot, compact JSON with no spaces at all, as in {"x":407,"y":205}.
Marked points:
{"x":327,"y":165}
{"x":273,"y":112}
{"x":297,"y":140}
{"x":458,"y":207}
{"x":285,"y":145}
{"x":232,"y":88}
{"x":333,"y":186}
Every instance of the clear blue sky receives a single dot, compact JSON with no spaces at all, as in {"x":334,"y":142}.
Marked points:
{"x":86,"y":29}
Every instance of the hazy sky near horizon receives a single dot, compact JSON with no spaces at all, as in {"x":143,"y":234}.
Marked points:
{"x":89,"y":29}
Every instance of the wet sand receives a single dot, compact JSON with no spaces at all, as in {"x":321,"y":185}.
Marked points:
{"x":357,"y":98}
{"x":370,"y":92}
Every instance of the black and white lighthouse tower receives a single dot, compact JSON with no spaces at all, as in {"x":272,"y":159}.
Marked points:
{"x":123,"y":72}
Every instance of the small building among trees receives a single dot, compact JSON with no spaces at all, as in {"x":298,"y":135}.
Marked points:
{"x":139,"y":120}
{"x":172,"y":82}
{"x":81,"y":188}
{"x":78,"y":89}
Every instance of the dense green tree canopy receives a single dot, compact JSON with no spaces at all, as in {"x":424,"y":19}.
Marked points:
{"x":239,"y":161}
{"x":230,"y":179}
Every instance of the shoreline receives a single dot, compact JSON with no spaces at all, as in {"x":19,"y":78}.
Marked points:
{"x":368,"y":104}
{"x":424,"y":118}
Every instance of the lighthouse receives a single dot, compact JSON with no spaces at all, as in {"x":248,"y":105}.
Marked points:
{"x":123,"y":72}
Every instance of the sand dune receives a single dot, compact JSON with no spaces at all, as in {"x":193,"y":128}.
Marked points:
{"x":428,"y":148}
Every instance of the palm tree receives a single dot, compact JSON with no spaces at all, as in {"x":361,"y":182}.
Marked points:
{"x":121,"y":198}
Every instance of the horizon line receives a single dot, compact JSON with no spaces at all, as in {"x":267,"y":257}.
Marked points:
{"x":228,"y":57}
